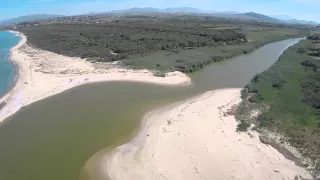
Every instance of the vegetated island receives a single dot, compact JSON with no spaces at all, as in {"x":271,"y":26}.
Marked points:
{"x":174,"y":43}
{"x":42,"y":74}
{"x":285,"y":99}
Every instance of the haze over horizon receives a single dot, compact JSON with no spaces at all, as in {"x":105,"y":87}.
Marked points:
{"x":297,"y":9}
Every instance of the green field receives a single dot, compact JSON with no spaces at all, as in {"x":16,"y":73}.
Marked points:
{"x":288,"y":96}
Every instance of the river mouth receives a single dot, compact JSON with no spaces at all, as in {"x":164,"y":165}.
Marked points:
{"x":53,"y":138}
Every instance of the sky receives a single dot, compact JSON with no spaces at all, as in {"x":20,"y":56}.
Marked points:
{"x":299,"y":9}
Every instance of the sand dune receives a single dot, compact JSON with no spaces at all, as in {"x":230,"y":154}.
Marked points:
{"x":43,"y":74}
{"x":195,"y":140}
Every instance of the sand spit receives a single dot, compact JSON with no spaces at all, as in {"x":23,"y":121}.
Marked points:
{"x":197,"y":140}
{"x":43,"y":74}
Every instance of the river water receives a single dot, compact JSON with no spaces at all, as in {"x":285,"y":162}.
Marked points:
{"x":54,"y":138}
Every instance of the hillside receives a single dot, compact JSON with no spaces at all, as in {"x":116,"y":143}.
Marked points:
{"x":260,"y":17}
{"x":28,"y":18}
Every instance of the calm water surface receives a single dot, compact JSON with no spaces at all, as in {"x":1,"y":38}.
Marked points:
{"x":52,"y":139}
{"x":7,"y":68}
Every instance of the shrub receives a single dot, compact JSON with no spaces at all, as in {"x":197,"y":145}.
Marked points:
{"x":301,"y":50}
{"x":256,"y":78}
{"x":243,"y":126}
{"x":252,"y":89}
{"x":316,"y":53}
{"x":278,"y":83}
{"x":244,"y":93}
{"x":255,"y":98}
{"x":308,"y":63}
{"x":217,"y":58}
{"x":159,"y":73}
{"x":266,"y":119}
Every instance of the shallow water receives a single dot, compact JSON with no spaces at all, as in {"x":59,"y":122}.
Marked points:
{"x":53,"y":138}
{"x":7,"y":68}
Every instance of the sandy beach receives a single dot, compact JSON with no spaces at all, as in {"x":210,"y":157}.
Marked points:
{"x":43,"y":74}
{"x":194,"y":140}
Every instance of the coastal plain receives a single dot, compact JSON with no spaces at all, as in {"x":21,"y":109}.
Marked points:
{"x":191,"y":139}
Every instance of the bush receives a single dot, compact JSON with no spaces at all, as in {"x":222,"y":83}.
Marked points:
{"x":313,"y":37}
{"x":255,"y":98}
{"x":243,"y":126}
{"x":301,"y":50}
{"x":244,"y":93}
{"x":252,"y":89}
{"x":266,"y":119}
{"x":316,"y":53}
{"x":278,"y":83}
{"x":308,"y":63}
{"x":256,"y":78}
{"x":217,"y":58}
{"x":159,"y":73}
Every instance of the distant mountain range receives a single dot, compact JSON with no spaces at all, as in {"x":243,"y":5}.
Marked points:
{"x":233,"y":14}
{"x":182,"y":10}
{"x":186,"y":10}
{"x":260,"y":17}
{"x":32,"y":17}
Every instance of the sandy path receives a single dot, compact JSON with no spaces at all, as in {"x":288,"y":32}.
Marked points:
{"x":194,"y":140}
{"x":43,"y":74}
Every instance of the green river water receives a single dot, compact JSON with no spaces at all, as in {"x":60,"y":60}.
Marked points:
{"x":54,"y":138}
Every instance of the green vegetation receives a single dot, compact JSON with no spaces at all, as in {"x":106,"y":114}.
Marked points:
{"x":120,"y":39}
{"x":183,"y":44}
{"x":288,"y":97}
{"x":243,"y":126}
{"x":159,"y":73}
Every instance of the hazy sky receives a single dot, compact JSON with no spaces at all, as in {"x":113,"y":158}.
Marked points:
{"x":300,"y":9}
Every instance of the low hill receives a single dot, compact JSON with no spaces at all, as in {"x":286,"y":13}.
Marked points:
{"x":28,"y":18}
{"x":260,"y":17}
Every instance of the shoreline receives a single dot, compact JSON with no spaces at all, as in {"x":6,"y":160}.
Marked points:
{"x":201,"y":138}
{"x":16,"y":76}
{"x":41,"y":74}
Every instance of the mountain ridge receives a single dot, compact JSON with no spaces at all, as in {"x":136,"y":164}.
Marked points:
{"x":173,"y":10}
{"x":31,"y":17}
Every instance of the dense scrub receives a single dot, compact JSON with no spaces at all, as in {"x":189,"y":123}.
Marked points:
{"x":121,"y":39}
{"x":161,"y":43}
{"x":288,"y":95}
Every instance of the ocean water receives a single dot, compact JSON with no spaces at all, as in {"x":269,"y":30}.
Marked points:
{"x":7,"y":68}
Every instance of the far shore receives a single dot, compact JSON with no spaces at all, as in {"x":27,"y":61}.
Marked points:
{"x":196,"y":139}
{"x":41,"y":74}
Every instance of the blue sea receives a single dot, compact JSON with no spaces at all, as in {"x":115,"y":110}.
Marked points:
{"x":7,"y":68}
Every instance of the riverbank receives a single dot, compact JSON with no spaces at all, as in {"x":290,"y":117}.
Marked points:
{"x":42,"y":74}
{"x":287,"y":96}
{"x":197,"y":139}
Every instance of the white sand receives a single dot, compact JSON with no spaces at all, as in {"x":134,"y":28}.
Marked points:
{"x":43,"y":74}
{"x":193,"y":140}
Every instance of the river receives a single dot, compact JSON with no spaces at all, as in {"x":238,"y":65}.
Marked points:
{"x":54,"y":138}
